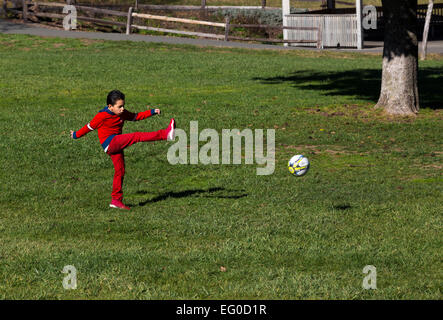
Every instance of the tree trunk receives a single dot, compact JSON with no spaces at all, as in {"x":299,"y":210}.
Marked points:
{"x":426,"y":30}
{"x":4,"y":9}
{"x":263,"y":4}
{"x":399,"y":86}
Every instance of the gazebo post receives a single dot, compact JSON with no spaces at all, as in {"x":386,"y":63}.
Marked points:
{"x":286,"y":9}
{"x":358,"y":6}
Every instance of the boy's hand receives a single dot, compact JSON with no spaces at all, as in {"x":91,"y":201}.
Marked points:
{"x":157,"y":111}
{"x":72,"y":134}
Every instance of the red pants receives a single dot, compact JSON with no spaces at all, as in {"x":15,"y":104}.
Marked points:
{"x":115,"y":151}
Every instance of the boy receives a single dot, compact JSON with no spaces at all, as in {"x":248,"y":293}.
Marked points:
{"x":109,"y":123}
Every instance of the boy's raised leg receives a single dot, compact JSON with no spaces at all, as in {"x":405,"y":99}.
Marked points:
{"x":122,"y":141}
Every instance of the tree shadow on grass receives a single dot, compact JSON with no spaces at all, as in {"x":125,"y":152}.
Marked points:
{"x":343,"y":207}
{"x":363,"y":83}
{"x":208,"y":193}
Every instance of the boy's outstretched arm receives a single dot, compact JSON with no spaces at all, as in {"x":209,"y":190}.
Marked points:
{"x":127,"y":115}
{"x":92,"y":125}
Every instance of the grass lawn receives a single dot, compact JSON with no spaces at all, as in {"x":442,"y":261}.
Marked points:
{"x":371,"y":197}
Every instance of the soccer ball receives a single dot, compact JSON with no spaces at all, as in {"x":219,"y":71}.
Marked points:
{"x":298,"y":165}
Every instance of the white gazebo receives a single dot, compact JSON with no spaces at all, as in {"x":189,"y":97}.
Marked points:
{"x":335,"y":30}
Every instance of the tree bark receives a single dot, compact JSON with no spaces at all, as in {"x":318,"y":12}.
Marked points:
{"x":4,"y":9}
{"x":399,"y":86}
{"x":263,"y":4}
{"x":426,"y":30}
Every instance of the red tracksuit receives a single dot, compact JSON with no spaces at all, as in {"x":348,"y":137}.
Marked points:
{"x":109,"y":127}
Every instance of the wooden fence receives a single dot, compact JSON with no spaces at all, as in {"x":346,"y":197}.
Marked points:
{"x":203,"y":7}
{"x":37,"y":6}
{"x":36,"y":11}
{"x":337,"y":30}
{"x":437,"y":12}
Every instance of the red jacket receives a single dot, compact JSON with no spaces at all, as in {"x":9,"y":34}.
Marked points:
{"x":108,"y":124}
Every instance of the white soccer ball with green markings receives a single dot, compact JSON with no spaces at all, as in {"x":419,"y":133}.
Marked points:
{"x":298,"y":165}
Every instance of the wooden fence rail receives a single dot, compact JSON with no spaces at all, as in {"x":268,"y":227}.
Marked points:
{"x":188,"y":33}
{"x":199,"y":8}
{"x":26,"y":13}
{"x":171,"y":19}
{"x":88,"y":19}
{"x":85,"y":8}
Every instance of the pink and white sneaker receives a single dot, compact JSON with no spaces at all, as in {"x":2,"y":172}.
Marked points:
{"x":170,"y":131}
{"x":118,"y":205}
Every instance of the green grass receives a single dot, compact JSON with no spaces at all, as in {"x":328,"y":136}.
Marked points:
{"x":371,"y":197}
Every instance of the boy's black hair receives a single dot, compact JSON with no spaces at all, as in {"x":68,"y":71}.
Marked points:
{"x":114,"y":96}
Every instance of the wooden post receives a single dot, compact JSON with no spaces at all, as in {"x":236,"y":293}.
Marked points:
{"x":359,"y":24}
{"x":331,"y":4}
{"x":25,"y":11}
{"x":5,"y":9}
{"x":286,"y":9}
{"x":263,"y":4}
{"x":227,"y":20}
{"x":203,"y":10}
{"x":129,"y":21}
{"x":136,"y":5}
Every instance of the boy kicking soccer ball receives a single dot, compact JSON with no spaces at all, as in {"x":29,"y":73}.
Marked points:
{"x":109,"y":123}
